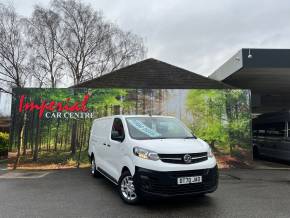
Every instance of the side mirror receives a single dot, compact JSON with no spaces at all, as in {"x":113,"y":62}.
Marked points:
{"x":116,"y":137}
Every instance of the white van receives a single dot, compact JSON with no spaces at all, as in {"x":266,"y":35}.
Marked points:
{"x":151,"y":156}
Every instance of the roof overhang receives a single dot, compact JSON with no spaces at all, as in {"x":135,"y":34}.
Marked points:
{"x":260,"y":70}
{"x":266,"y":72}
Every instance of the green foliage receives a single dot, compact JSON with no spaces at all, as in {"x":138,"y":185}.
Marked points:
{"x":84,"y":159}
{"x":4,"y":141}
{"x":105,"y":97}
{"x":206,"y":109}
{"x":221,"y":117}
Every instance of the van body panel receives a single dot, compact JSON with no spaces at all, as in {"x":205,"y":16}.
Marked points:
{"x":118,"y":158}
{"x":98,"y":140}
{"x":172,"y":146}
{"x":277,"y":148}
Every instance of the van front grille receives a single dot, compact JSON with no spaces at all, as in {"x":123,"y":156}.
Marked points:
{"x":179,"y":158}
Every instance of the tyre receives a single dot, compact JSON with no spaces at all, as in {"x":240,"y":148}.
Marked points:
{"x":94,"y":171}
{"x":256,"y":154}
{"x":127,"y":189}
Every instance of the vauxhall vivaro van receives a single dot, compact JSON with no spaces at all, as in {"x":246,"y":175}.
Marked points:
{"x":151,"y":156}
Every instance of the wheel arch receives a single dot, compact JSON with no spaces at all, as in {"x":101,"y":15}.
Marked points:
{"x":127,"y":166}
{"x":125,"y":169}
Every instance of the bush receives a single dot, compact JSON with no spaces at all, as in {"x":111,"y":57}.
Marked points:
{"x":4,"y":142}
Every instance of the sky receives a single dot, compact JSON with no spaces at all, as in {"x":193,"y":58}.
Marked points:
{"x":198,"y":35}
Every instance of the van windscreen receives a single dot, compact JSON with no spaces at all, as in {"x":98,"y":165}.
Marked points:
{"x":156,"y":128}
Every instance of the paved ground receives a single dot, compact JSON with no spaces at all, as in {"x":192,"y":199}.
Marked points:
{"x":268,"y":163}
{"x":3,"y":167}
{"x":73,"y":193}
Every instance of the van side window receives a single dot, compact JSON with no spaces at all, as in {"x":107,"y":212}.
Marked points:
{"x":275,"y":129}
{"x":117,"y":133}
{"x":259,"y":130}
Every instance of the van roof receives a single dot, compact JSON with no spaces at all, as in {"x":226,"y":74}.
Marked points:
{"x":272,"y":118}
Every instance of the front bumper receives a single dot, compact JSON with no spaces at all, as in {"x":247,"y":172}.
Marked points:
{"x":164,"y":184}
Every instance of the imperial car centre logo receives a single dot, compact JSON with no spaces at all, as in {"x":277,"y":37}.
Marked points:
{"x":56,"y":109}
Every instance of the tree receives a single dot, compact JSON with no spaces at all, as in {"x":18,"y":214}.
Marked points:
{"x":207,"y":109}
{"x":13,"y":59}
{"x":221,"y":117}
{"x":90,"y":45}
{"x":123,"y":49}
{"x":238,"y":117}
{"x":13,"y":52}
{"x":43,"y":30}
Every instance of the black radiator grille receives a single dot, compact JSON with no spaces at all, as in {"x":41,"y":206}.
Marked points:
{"x":179,"y":158}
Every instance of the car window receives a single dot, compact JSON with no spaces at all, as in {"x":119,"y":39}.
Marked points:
{"x":275,"y":129}
{"x":117,"y":129}
{"x":156,"y":128}
{"x":270,"y":129}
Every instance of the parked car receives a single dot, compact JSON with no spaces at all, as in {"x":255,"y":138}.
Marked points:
{"x":148,"y":156}
{"x":271,"y":136}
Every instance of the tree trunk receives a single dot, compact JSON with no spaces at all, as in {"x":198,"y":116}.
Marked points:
{"x":61,"y":142}
{"x":74,"y":138}
{"x":35,"y":152}
{"x":229,"y":118}
{"x":20,"y":128}
{"x":212,"y":145}
{"x":66,"y":134}
{"x":81,"y":143}
{"x":32,"y":141}
{"x":56,"y":135}
{"x":24,"y":135}
{"x":48,"y":136}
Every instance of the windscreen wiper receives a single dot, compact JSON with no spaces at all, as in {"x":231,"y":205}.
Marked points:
{"x":190,"y":137}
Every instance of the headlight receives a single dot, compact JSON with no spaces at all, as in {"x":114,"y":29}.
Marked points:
{"x":145,"y":154}
{"x":209,"y":153}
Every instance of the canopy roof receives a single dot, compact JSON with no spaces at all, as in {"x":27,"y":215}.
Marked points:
{"x":266,"y":72}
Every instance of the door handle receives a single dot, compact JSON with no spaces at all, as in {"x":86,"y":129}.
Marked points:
{"x":106,"y":144}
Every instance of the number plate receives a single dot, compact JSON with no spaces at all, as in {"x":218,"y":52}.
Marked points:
{"x":189,"y":180}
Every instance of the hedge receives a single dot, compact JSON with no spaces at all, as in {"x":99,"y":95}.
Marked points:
{"x":4,"y":142}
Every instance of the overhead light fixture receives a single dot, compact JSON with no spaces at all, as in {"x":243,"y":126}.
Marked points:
{"x":250,"y":56}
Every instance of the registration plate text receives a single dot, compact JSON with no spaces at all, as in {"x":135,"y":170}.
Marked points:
{"x":189,"y":180}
